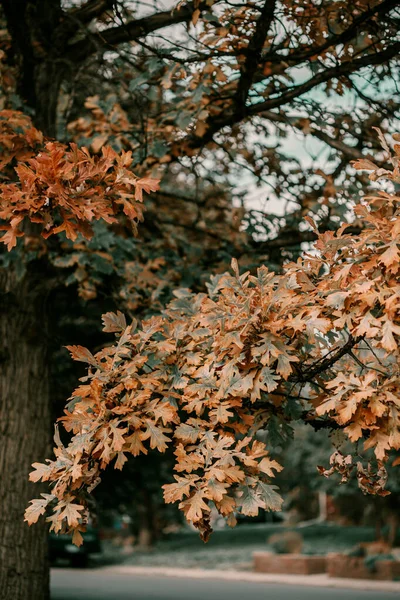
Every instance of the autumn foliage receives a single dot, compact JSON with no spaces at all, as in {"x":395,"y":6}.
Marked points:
{"x":63,"y":188}
{"x":224,"y":126}
{"x":318,"y":342}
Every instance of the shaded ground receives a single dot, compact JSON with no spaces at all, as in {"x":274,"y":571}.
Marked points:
{"x":233,"y":548}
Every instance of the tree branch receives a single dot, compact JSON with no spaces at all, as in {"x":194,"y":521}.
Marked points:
{"x":253,"y":54}
{"x":349,"y":151}
{"x":308,"y":374}
{"x":131,"y":31}
{"x":345,"y":68}
{"x":90,"y":10}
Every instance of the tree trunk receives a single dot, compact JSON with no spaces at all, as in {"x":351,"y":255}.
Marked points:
{"x":25,"y":431}
{"x":393,"y":523}
{"x":38,"y":45}
{"x":145,"y":513}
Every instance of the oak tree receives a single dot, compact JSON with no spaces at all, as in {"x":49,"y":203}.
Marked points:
{"x":198,"y":95}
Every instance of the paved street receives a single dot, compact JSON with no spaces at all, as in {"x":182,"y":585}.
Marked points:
{"x":104,"y":584}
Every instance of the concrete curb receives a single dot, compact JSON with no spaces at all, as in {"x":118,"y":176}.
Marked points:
{"x":320,"y":580}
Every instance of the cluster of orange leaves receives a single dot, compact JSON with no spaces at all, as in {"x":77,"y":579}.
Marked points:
{"x":62,"y":188}
{"x":207,"y":375}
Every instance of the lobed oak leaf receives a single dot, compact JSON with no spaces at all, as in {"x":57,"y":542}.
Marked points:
{"x":391,"y":256}
{"x":216,"y":490}
{"x":135,"y":446}
{"x":347,"y":408}
{"x":380,"y":441}
{"x":265,"y":380}
{"x":10,"y":238}
{"x":221,"y":414}
{"x":37,"y":508}
{"x":377,"y":407}
{"x":284,"y":367}
{"x":72,"y":513}
{"x":185,"y":461}
{"x":56,"y":523}
{"x":146,"y":184}
{"x":194,"y":507}
{"x":77,"y":538}
{"x":226,"y":505}
{"x":121,"y":460}
{"x":155,"y":434}
{"x":272,"y":500}
{"x":176,"y":491}
{"x":250,"y":502}
{"x":368,"y":326}
{"x":189,"y":432}
{"x":256,"y":450}
{"x":389,"y":329}
{"x":106,"y":454}
{"x":268,"y":466}
{"x":354,"y":431}
{"x":316,"y":322}
{"x":118,"y":436}
{"x":163,"y":411}
{"x":232,"y":473}
{"x":81,"y":354}
{"x":114,"y":322}
{"x":42,"y":472}
{"x":76,"y":470}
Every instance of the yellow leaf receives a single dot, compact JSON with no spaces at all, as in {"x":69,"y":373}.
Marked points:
{"x":77,"y":538}
{"x":176,"y":491}
{"x":391,"y":255}
{"x":388,"y":329}
{"x":71,"y":513}
{"x":37,"y":508}
{"x":267,"y":465}
{"x":135,"y":444}
{"x":42,"y":472}
{"x":195,"y":16}
{"x":194,"y":506}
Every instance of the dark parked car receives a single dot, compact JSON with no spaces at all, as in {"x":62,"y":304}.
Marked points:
{"x":61,"y":546}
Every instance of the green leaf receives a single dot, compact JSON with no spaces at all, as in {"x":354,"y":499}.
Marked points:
{"x":272,"y":499}
{"x":250,"y":502}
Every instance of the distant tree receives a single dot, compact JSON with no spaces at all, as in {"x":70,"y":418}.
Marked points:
{"x":309,"y":496}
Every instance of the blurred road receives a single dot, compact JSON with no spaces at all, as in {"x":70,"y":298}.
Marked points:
{"x":103,"y":584}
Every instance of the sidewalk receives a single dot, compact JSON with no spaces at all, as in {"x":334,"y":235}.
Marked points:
{"x":320,"y":580}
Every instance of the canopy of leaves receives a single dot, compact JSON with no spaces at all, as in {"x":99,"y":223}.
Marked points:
{"x":201,"y":95}
{"x":218,"y":91}
{"x":211,"y":372}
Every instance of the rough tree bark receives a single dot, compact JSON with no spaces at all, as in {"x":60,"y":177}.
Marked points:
{"x":25,"y":418}
{"x":38,"y":45}
{"x":25,"y":405}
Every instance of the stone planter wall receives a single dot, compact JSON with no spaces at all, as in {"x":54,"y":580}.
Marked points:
{"x":288,"y":564}
{"x":354,"y":567}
